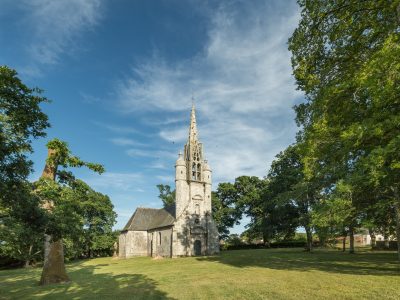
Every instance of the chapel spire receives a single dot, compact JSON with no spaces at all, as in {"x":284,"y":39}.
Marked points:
{"x":193,"y":126}
{"x":193,"y":151}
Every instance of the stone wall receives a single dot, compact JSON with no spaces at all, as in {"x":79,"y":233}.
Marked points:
{"x":160,"y":242}
{"x":132,"y":243}
{"x":191,"y":228}
{"x":213,"y":238}
{"x":180,"y":237}
{"x":122,"y":245}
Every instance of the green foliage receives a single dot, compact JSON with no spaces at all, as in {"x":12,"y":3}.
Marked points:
{"x":21,"y":120}
{"x":78,"y":213}
{"x":336,"y":210}
{"x":63,"y":157}
{"x":20,"y":241}
{"x":233,"y":240}
{"x":60,"y":205}
{"x":167,"y":195}
{"x":291,"y":193}
{"x":63,"y":196}
{"x":98,"y":220}
{"x":224,"y":208}
{"x":345,"y":58}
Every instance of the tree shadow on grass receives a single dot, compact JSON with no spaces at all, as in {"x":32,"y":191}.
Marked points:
{"x":86,"y":283}
{"x":367,"y":263}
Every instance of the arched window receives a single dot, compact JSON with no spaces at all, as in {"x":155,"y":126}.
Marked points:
{"x":194,"y":171}
{"x":197,"y":209}
{"x":198,"y":172}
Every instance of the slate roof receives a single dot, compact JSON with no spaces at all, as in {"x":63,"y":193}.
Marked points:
{"x":144,"y":219}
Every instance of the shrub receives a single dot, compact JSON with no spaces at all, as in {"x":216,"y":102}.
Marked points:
{"x":380,"y":245}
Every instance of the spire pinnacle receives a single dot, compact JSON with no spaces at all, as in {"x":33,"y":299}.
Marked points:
{"x":193,"y":125}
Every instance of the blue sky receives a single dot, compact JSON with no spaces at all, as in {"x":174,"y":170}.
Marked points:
{"x":121,"y":75}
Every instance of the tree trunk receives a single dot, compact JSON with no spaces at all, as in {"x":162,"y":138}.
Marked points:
{"x":344,"y":240}
{"x":386,"y":239}
{"x":397,"y":212}
{"x":373,"y":237}
{"x":115,"y":249}
{"x":266,"y":239}
{"x":28,"y":259}
{"x":322,"y":237}
{"x":309,"y":238}
{"x":351,"y":232}
{"x":53,"y":267}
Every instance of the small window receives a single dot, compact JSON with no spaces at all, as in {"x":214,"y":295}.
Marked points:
{"x":197,"y":221}
{"x":159,"y":234}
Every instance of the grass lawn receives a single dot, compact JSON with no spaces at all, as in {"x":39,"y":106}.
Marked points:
{"x":241,"y":274}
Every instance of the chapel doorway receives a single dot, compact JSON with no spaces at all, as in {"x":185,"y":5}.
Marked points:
{"x":197,"y":247}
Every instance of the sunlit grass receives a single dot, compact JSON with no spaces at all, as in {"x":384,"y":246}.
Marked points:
{"x":247,"y":274}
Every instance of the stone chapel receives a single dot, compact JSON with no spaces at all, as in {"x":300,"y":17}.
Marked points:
{"x":185,"y":229}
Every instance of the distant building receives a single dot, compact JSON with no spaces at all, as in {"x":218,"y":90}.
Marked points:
{"x":364,"y":239}
{"x":187,"y":228}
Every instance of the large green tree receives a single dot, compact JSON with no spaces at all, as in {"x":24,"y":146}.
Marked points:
{"x":21,"y":121}
{"x":225,"y":210}
{"x":21,"y":240}
{"x":288,"y":184}
{"x":345,"y":57}
{"x":98,"y":219}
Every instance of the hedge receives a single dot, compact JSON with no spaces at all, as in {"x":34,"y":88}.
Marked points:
{"x":281,"y":244}
{"x":380,"y":245}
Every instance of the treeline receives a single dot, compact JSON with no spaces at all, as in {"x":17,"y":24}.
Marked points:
{"x":346,"y":60}
{"x":42,"y":220}
{"x":248,"y":241}
{"x":92,"y":235}
{"x":343,"y":172}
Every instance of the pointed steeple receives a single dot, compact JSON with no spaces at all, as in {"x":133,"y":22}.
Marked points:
{"x":193,"y":126}
{"x":193,"y":151}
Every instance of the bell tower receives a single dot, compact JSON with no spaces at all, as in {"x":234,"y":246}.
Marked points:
{"x":193,"y":151}
{"x":193,"y":175}
{"x":193,"y":198}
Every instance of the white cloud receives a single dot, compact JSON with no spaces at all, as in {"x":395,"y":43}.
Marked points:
{"x":56,"y":25}
{"x":118,"y":129}
{"x":166,"y":179}
{"x":151,"y":153}
{"x":124,"y":213}
{"x":121,"y":182}
{"x":126,"y":142}
{"x":243,"y":86}
{"x":89,"y":99}
{"x":175,"y":135}
{"x":158,"y":165}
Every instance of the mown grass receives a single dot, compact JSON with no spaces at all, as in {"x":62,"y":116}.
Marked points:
{"x":242,"y":274}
